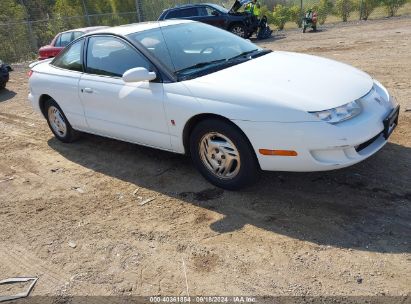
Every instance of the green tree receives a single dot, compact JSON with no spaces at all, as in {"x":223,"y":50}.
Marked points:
{"x":343,"y":9}
{"x":366,"y":7}
{"x":325,"y":7}
{"x":281,"y":15}
{"x":296,"y":14}
{"x":15,"y":39}
{"x":392,"y":6}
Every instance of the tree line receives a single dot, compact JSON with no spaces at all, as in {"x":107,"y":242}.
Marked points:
{"x":280,"y":14}
{"x":26,"y":25}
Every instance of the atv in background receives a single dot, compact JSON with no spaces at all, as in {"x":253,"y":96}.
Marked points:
{"x":310,"y":20}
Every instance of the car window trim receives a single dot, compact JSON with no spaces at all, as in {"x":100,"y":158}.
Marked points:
{"x":57,"y":41}
{"x":74,"y":32}
{"x":169,"y":76}
{"x":66,"y":49}
{"x":156,"y":70}
{"x":71,"y":37}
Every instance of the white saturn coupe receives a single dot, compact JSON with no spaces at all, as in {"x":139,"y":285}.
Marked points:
{"x":235,"y":108}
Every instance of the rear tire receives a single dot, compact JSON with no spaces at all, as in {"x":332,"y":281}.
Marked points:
{"x":223,"y":154}
{"x":58,"y":123}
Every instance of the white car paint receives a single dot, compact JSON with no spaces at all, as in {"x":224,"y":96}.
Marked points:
{"x":129,"y":111}
{"x":268,"y":98}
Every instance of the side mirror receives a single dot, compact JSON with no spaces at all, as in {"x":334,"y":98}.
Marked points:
{"x":138,"y":74}
{"x":215,"y":13}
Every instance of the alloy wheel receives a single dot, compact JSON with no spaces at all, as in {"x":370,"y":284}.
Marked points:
{"x":57,"y":121}
{"x":219,"y":155}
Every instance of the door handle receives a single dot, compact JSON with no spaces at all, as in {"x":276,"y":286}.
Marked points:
{"x":88,"y":90}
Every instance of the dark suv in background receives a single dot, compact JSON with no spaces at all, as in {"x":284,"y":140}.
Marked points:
{"x":241,"y":24}
{"x":4,"y":74}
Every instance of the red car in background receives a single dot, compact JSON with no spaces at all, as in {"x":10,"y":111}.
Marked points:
{"x":62,"y":40}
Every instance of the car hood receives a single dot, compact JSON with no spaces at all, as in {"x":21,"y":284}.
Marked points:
{"x":238,"y":4}
{"x":285,"y":79}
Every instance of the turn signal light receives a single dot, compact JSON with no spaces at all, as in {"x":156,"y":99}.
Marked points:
{"x":30,"y":73}
{"x":278,"y":152}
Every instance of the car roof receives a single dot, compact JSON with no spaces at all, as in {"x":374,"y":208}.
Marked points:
{"x":139,"y":27}
{"x":182,"y":6}
{"x":86,"y":29}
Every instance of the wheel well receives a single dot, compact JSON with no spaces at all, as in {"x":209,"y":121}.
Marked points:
{"x":190,"y":125}
{"x":42,"y":103}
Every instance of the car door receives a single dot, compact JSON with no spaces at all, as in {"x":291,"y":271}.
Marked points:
{"x":132,"y":112}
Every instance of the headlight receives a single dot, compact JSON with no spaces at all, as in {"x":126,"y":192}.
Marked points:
{"x":339,"y":114}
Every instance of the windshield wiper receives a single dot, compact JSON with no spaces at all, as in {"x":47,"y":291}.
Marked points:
{"x":201,"y":65}
{"x":243,"y":54}
{"x":255,"y":52}
{"x":219,"y":64}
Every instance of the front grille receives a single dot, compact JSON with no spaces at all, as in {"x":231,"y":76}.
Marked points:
{"x":367,"y":143}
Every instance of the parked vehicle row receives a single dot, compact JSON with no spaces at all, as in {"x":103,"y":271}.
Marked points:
{"x":187,"y":87}
{"x":241,"y":24}
{"x":62,"y":40}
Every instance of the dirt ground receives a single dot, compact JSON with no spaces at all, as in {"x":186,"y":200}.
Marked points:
{"x":72,"y":214}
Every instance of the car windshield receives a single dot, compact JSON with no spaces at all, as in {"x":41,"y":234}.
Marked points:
{"x":193,"y":49}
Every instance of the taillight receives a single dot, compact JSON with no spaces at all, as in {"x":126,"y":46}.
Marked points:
{"x":30,"y":73}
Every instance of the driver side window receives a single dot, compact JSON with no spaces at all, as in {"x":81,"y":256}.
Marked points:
{"x":206,"y":11}
{"x":211,"y":11}
{"x":109,"y":56}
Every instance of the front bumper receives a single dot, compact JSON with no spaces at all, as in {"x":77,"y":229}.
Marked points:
{"x":322,"y":146}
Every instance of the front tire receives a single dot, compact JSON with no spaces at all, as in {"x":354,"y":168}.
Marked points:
{"x":223,"y":155}
{"x":239,"y":30}
{"x":58,"y":123}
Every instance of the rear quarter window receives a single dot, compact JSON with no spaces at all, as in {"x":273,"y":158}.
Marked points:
{"x":71,"y":58}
